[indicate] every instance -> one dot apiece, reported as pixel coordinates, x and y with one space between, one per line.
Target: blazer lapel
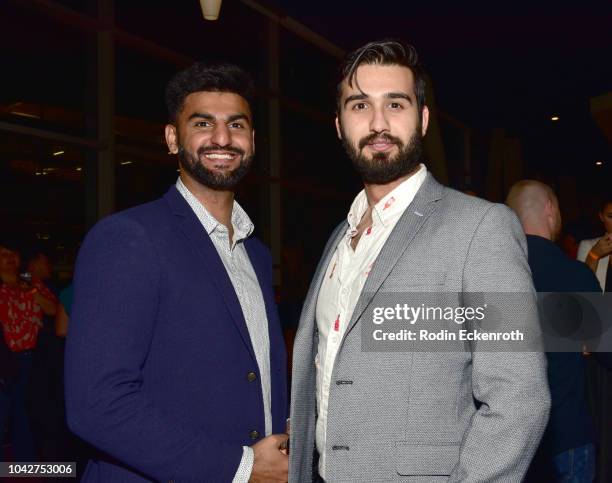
192 228
415 215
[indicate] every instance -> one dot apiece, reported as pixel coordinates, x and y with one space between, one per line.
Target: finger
279 439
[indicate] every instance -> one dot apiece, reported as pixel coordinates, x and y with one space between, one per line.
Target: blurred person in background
7 372
23 303
567 451
63 312
596 251
46 392
39 265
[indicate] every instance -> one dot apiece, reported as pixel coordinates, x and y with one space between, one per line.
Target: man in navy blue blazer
175 361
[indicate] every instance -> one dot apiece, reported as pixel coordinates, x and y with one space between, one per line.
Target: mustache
209 149
386 138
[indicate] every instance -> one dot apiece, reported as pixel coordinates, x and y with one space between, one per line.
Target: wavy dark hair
383 52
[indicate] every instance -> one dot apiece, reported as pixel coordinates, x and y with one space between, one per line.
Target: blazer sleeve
512 387
583 249
117 287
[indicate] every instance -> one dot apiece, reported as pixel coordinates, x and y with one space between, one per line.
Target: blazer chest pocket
426 459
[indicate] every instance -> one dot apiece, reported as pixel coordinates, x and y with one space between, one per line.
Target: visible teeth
219 156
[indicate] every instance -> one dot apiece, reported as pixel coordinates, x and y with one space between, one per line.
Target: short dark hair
34 250
201 77
383 52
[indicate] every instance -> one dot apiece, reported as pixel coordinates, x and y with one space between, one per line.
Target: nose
221 135
379 122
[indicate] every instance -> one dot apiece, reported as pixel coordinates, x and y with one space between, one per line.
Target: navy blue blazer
158 351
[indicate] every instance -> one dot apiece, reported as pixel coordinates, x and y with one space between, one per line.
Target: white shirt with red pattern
345 277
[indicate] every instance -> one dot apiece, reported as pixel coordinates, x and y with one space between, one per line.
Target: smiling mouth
220 156
220 159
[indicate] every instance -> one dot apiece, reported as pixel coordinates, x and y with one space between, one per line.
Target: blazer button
254 434
251 376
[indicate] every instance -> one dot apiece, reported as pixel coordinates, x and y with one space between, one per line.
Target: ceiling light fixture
554 118
210 9
25 114
58 153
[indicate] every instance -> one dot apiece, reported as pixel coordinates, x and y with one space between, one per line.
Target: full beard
383 168
216 180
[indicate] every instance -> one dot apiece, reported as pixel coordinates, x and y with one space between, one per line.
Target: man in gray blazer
363 415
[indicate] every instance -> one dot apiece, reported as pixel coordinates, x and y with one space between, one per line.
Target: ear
548 208
338 131
424 120
253 140
171 139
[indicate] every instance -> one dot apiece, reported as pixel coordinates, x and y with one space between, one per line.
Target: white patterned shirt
344 279
244 279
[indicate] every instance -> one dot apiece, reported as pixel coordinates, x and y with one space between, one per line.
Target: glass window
42 192
47 77
142 176
319 183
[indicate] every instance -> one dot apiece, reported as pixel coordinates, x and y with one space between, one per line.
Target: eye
202 124
236 125
395 105
359 106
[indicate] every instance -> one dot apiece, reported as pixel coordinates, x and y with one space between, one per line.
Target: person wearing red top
22 307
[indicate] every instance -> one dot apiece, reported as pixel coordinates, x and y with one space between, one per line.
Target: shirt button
251 376
254 434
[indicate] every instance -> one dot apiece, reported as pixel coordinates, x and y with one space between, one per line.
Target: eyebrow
209 117
355 97
237 117
398 95
388 95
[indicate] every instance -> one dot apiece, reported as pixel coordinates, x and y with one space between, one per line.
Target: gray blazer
411 416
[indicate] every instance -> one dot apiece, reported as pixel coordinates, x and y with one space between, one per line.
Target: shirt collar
392 205
242 224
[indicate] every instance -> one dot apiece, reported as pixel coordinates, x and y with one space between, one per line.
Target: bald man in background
567 451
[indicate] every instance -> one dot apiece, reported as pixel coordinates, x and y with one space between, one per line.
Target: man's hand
270 465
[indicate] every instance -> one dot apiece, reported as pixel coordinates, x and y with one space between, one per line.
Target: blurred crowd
34 317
